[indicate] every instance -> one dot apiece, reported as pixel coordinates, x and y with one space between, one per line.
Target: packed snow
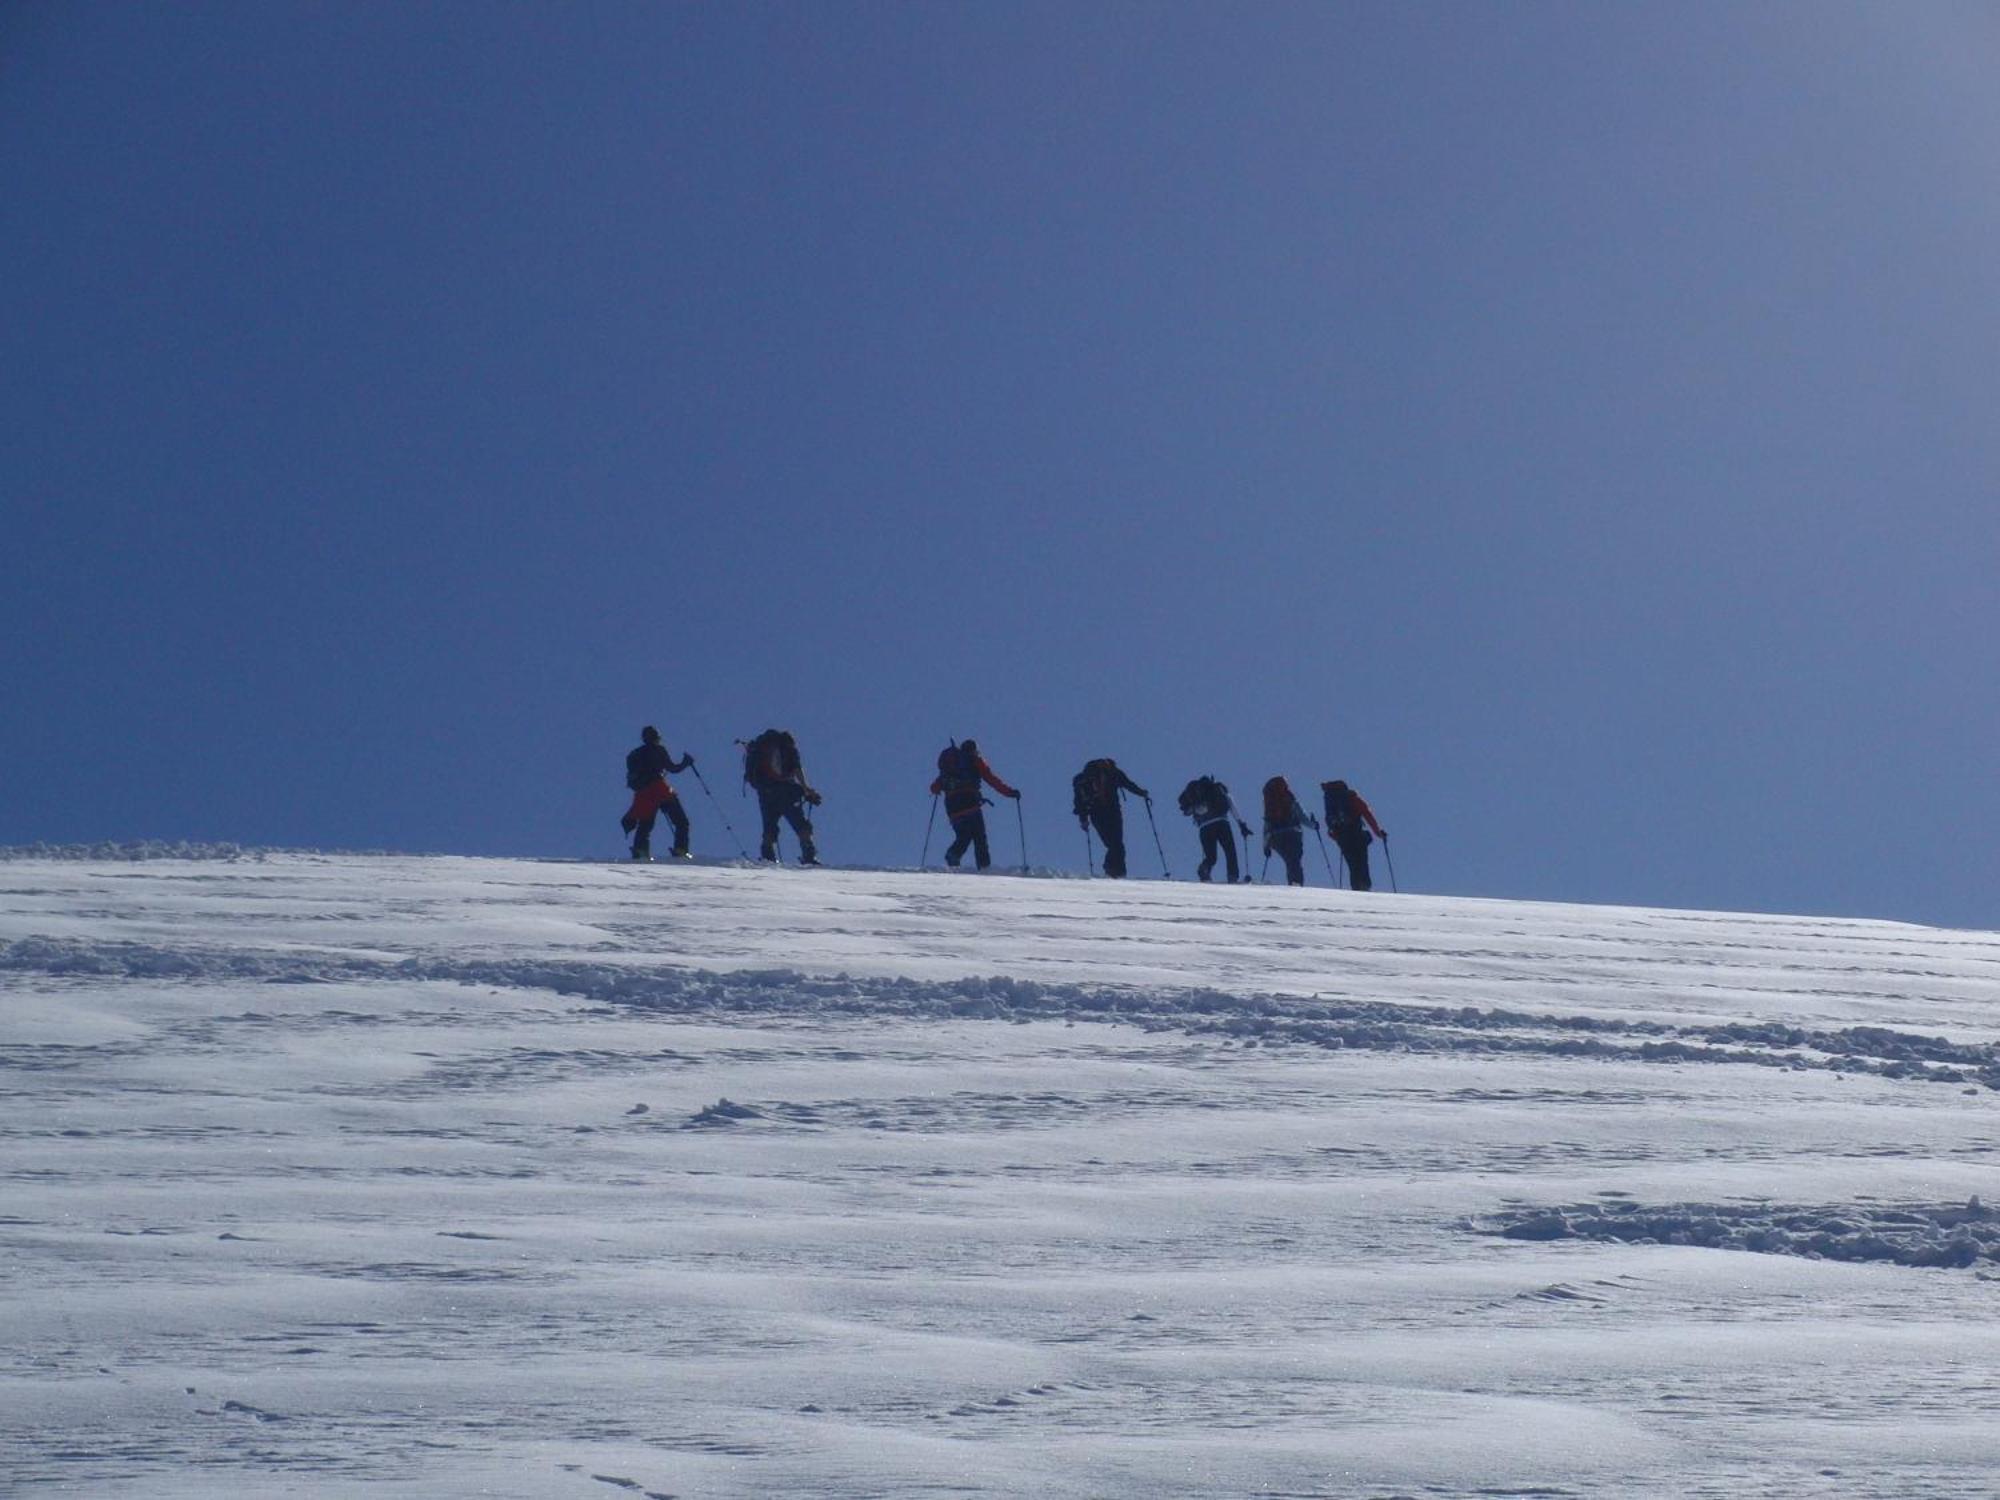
340 1175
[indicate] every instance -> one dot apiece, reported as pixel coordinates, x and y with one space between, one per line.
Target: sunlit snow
354 1175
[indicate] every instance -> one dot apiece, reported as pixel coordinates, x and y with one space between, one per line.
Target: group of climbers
773 770
1349 819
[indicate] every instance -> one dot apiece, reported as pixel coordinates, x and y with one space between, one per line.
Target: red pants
648 802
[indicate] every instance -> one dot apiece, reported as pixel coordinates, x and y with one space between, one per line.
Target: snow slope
332 1175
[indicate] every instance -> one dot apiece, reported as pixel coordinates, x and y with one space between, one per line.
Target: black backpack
1343 820
1203 797
1339 806
956 768
637 772
1095 785
770 758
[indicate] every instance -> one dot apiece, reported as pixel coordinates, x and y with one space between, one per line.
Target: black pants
786 800
1354 849
970 832
1289 844
1216 838
1109 821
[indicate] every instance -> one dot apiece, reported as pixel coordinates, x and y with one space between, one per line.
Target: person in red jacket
1348 819
961 769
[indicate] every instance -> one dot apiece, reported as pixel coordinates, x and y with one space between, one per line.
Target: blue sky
1572 424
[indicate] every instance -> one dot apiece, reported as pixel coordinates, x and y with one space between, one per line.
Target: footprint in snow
721 1113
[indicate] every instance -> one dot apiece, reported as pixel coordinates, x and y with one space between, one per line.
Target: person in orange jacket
1348 819
961 769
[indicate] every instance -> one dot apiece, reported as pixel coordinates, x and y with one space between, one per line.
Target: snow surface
343 1175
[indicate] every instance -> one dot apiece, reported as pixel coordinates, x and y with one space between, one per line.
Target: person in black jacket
774 772
646 770
1097 789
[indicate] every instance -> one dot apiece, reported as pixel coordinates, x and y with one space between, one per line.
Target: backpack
1281 808
1339 805
955 767
1343 819
1095 785
770 758
1204 797
636 772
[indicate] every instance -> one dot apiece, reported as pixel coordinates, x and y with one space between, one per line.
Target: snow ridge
1255 1019
136 852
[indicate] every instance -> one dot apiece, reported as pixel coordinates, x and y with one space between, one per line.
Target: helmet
650 735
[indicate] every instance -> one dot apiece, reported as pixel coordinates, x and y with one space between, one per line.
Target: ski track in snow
329 1175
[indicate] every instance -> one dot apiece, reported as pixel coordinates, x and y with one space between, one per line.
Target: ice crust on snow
1959 1235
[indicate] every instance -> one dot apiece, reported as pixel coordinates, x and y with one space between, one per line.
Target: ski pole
1325 858
1391 860
740 850
925 862
1166 873
1022 822
1089 851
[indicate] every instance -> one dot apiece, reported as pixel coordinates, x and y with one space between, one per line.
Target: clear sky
1574 424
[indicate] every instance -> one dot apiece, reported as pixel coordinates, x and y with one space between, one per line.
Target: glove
1144 795
1015 795
1246 829
1382 834
814 799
